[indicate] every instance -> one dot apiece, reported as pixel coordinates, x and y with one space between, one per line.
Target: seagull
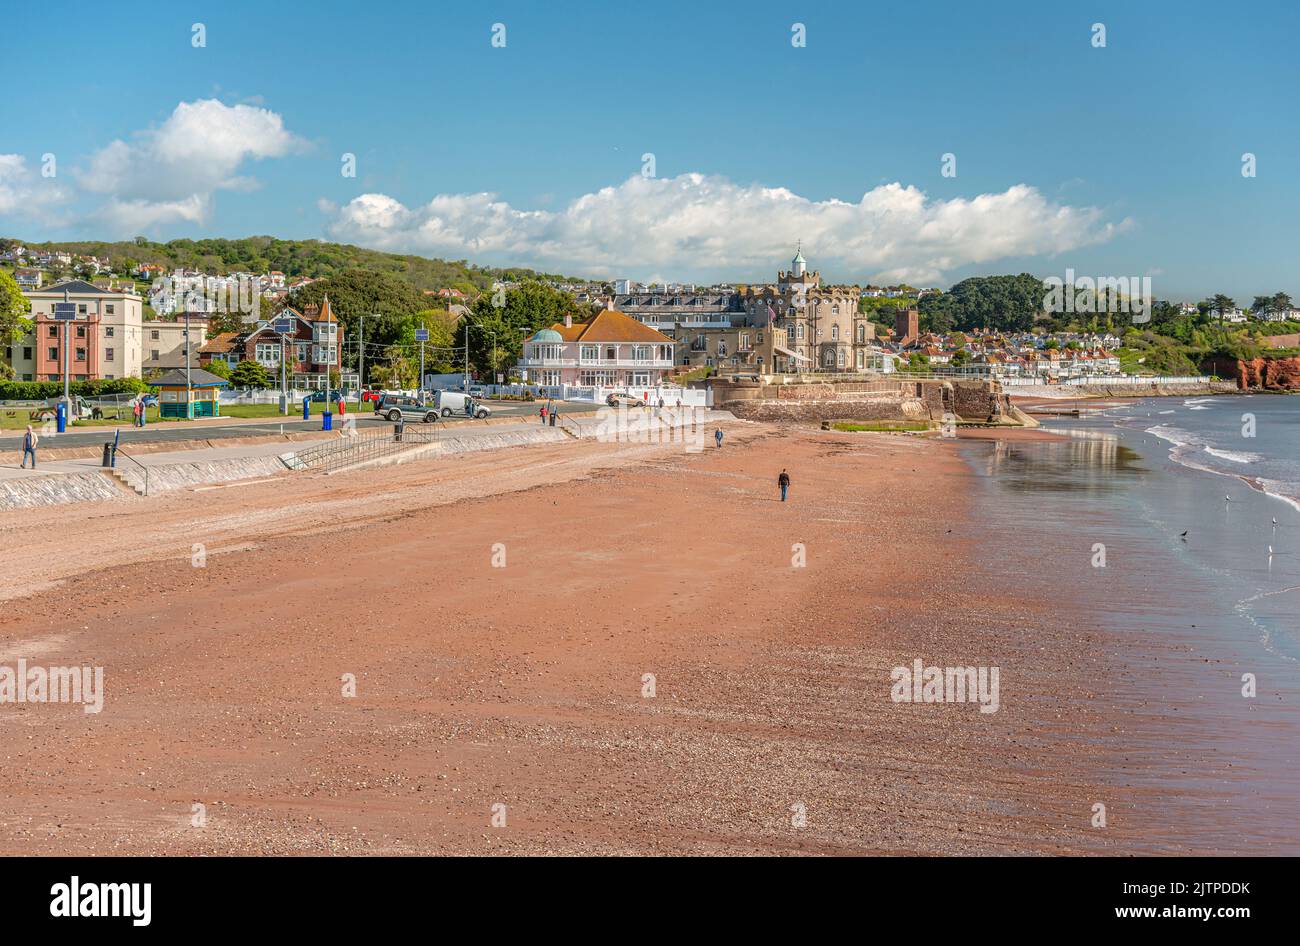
1184 535
1227 499
1270 551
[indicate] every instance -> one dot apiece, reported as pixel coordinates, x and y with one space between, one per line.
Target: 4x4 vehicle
397 407
625 400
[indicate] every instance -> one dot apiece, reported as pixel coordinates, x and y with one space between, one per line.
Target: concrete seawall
57 489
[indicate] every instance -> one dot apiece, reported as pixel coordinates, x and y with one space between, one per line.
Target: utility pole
189 396
68 338
284 389
361 356
465 388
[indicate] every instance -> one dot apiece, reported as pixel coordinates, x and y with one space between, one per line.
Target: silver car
396 407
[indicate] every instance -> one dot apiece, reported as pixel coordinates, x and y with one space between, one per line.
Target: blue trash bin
306 409
61 416
327 421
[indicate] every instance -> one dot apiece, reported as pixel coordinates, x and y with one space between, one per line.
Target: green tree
219 368
14 307
250 374
501 320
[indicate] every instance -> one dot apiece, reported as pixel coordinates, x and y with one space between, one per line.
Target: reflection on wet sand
1088 462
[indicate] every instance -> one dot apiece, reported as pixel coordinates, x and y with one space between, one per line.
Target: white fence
1112 380
671 395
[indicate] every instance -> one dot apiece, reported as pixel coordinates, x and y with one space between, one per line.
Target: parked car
451 403
317 396
369 395
477 391
627 400
397 407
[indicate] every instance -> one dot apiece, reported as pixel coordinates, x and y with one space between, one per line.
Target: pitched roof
218 344
198 379
78 286
610 325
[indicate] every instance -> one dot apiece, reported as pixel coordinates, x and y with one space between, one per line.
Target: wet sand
525 686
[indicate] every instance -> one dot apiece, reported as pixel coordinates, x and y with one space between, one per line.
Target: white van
452 403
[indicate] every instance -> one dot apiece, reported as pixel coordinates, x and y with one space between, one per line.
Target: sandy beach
770 728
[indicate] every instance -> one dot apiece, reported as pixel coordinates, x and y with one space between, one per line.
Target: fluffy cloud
169 174
704 227
24 193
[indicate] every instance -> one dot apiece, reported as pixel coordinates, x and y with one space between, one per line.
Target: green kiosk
198 398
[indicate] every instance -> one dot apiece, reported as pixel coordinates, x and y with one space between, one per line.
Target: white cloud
704 227
23 193
169 174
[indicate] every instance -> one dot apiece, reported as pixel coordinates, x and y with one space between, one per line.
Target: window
641 353
108 331
54 331
862 334
799 331
27 352
835 310
839 358
154 335
153 355
302 351
590 353
81 331
53 353
108 309
268 353
829 359
108 354
835 333
861 355
722 348
744 342
81 309
611 354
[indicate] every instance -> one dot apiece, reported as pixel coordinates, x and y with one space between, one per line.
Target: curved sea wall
909 400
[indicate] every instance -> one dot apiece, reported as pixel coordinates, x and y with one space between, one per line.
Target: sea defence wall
55 490
1123 390
909 400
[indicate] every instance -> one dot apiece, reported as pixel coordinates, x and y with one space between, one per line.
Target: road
163 433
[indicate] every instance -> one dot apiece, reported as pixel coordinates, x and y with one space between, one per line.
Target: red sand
522 686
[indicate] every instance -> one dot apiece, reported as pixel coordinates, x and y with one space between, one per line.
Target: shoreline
523 685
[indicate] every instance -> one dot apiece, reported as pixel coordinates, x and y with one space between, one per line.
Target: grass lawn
880 427
18 419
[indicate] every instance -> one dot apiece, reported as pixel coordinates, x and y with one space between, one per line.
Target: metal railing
119 452
358 448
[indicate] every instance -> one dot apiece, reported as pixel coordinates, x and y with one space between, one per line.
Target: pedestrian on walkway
542 413
30 440
717 436
783 481
136 408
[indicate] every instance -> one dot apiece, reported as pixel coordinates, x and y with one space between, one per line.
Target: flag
771 316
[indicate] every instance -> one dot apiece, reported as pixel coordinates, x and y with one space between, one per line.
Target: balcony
646 363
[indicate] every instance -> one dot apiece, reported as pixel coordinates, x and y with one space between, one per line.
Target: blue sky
1117 161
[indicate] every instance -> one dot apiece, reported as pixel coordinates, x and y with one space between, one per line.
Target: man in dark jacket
783 481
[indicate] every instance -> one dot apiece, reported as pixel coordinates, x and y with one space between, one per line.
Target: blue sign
65 311
283 326
421 334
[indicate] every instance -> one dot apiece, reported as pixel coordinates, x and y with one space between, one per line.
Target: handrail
118 451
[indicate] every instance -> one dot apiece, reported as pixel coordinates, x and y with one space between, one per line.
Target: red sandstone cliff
1273 374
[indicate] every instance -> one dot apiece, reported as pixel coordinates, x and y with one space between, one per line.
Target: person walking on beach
542 414
783 481
717 436
29 446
